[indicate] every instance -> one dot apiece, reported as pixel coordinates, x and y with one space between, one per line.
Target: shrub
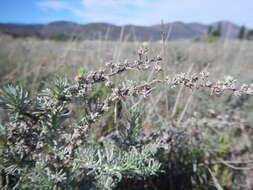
44 145
207 38
59 37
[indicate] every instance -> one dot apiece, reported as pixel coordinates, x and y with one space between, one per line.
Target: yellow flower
79 77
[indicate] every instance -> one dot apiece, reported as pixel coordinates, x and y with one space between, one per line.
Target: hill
105 31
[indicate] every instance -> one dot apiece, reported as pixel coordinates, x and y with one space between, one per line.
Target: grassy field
220 125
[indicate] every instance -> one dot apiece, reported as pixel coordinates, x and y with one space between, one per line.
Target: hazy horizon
99 22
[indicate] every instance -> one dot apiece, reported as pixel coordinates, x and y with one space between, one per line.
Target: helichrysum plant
45 145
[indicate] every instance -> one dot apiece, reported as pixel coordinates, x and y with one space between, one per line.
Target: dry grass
230 119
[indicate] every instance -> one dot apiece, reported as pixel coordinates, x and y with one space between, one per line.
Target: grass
223 122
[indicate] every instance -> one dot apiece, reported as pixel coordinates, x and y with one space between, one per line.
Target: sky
121 12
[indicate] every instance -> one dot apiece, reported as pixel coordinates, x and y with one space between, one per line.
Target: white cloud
52 4
144 12
148 12
59 5
113 11
113 3
141 12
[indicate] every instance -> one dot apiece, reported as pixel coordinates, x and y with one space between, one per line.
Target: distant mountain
104 31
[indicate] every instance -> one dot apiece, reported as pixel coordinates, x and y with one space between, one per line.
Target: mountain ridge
105 31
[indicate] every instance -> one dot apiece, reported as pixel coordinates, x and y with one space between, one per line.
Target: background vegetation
206 139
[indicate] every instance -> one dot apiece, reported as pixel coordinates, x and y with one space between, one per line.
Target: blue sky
142 12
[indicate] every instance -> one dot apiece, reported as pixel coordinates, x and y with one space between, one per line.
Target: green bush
207 38
59 37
